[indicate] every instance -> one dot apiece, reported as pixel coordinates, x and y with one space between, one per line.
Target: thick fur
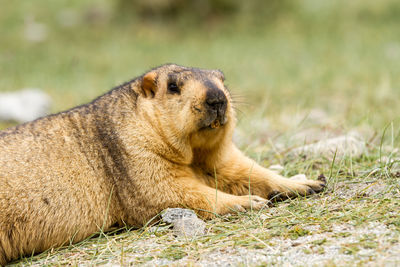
125 157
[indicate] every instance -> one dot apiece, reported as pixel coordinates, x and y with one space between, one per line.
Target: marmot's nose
216 100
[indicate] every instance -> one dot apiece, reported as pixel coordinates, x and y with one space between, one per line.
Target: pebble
276 168
25 105
171 215
184 221
345 145
189 227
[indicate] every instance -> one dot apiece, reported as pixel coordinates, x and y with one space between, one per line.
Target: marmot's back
52 183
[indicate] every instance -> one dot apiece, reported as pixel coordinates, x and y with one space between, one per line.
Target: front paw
297 185
317 185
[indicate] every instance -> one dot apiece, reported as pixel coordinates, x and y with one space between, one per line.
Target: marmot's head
188 102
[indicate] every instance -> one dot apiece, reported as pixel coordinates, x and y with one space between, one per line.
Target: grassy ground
339 60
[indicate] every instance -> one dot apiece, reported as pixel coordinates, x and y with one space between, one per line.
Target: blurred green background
280 57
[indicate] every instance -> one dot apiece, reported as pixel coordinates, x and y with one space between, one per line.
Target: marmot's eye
173 88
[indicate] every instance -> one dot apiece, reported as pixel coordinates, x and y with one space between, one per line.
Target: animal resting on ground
162 140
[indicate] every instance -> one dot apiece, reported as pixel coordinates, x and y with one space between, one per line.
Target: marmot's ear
219 74
149 85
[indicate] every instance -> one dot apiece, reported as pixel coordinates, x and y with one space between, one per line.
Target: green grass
347 65
342 58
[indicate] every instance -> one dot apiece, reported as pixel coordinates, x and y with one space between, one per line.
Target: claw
322 178
310 191
275 196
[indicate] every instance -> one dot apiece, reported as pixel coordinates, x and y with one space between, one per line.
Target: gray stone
184 221
345 145
189 227
24 105
35 31
171 215
276 168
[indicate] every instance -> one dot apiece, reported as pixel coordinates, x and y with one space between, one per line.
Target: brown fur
124 158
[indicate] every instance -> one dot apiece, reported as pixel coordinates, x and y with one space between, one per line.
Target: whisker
238 97
238 110
241 104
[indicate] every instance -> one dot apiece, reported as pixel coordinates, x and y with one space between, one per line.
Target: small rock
350 145
34 31
25 105
171 215
299 177
185 222
276 168
189 227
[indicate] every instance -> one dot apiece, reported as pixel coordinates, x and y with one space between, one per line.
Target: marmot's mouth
215 124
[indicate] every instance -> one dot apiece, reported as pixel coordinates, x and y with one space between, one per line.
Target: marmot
161 140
